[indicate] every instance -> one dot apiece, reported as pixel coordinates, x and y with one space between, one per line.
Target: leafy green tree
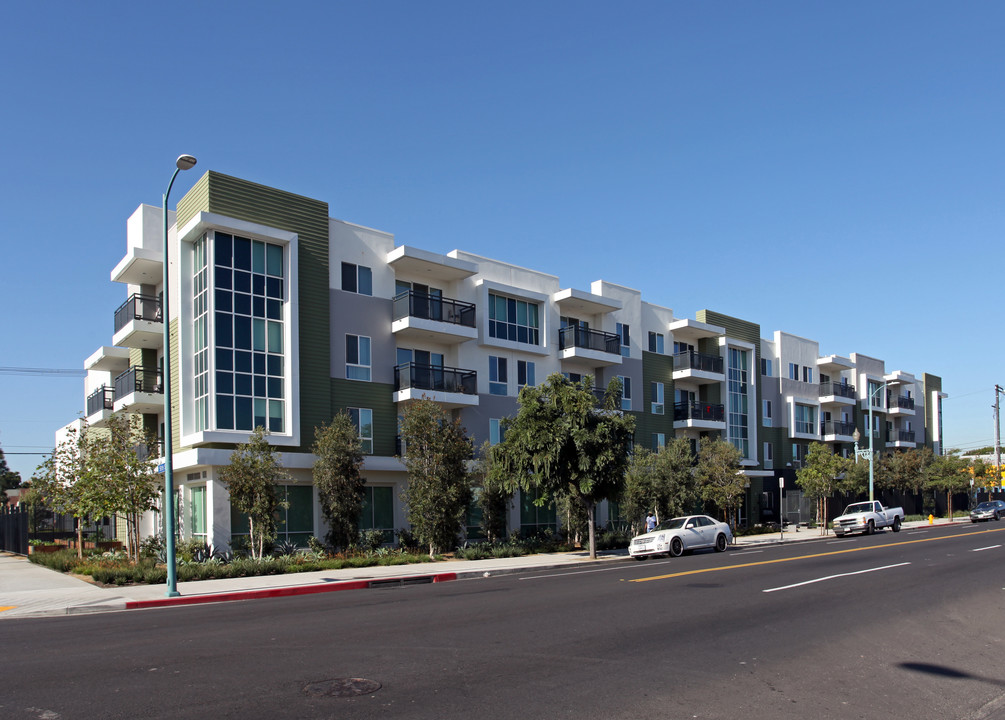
719 477
490 494
125 484
561 443
819 477
856 477
439 487
949 474
9 479
663 482
251 477
338 477
65 480
904 471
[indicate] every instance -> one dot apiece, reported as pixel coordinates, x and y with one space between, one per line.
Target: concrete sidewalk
30 590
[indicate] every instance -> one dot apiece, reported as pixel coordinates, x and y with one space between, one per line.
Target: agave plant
284 548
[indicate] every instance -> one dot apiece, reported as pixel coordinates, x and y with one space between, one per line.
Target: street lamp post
872 458
184 162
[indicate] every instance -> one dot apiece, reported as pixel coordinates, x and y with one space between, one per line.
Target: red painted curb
280 592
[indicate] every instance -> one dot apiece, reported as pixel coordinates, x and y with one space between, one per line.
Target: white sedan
673 537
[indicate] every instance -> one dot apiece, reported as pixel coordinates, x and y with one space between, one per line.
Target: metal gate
14 532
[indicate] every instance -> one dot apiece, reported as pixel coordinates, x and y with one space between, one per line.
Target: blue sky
833 170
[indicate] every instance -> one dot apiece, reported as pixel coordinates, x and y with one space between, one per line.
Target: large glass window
248 293
622 331
806 419
656 398
378 511
534 519
357 279
656 342
296 522
525 373
516 320
626 392
738 389
496 431
498 379
197 511
357 357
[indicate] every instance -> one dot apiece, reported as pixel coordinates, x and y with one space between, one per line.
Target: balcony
100 406
139 323
704 416
837 431
832 393
900 405
424 317
150 451
139 390
697 367
451 387
900 439
597 347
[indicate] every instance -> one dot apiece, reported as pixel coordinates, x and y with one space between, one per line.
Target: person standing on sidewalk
650 522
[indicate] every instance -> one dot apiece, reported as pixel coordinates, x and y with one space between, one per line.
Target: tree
9 479
490 494
856 477
818 477
950 474
125 484
251 477
439 489
662 482
904 471
337 475
64 481
562 443
718 473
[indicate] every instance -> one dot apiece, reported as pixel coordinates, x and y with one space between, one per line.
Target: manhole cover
342 687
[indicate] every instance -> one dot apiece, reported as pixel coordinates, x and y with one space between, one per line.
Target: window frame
368 367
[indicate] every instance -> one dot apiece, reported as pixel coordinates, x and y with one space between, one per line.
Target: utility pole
998 444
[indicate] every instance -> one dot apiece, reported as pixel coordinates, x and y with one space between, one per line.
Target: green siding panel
655 368
379 397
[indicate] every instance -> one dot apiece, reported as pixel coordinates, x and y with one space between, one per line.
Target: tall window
659 441
626 392
249 290
498 378
769 456
357 279
496 432
766 366
357 357
516 320
378 511
197 511
656 398
806 419
525 373
200 332
793 371
738 390
875 396
807 374
656 341
622 331
362 418
766 413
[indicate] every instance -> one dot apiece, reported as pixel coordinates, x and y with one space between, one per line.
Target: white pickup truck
866 517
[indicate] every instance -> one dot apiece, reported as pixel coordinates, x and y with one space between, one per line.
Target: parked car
674 537
989 510
867 517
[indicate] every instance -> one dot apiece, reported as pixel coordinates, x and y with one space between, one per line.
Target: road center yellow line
808 557
7 607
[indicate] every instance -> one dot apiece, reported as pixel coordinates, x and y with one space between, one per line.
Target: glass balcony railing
699 411
692 360
578 337
900 401
836 427
435 378
138 307
837 389
433 307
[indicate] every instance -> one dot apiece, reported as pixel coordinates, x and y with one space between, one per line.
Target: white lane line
839 542
748 552
917 532
584 572
989 547
832 577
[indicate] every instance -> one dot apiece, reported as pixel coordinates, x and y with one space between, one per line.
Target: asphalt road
906 625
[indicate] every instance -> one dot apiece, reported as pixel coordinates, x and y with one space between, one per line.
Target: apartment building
282 316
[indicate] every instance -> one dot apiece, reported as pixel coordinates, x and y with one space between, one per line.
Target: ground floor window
197 511
473 529
534 519
294 524
378 511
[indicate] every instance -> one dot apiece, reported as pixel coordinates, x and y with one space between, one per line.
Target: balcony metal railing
435 378
900 401
838 389
138 307
138 379
101 399
699 411
900 436
570 337
431 307
836 427
693 360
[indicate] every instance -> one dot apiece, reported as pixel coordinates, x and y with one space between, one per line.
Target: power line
43 372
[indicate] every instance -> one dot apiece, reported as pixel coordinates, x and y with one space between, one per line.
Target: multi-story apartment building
281 316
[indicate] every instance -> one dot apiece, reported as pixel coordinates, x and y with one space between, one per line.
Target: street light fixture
184 162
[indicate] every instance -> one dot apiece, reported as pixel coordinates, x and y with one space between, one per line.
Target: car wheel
896 524
973 520
996 517
676 547
870 528
720 543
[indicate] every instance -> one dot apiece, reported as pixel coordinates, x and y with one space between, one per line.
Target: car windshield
985 506
672 524
857 508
